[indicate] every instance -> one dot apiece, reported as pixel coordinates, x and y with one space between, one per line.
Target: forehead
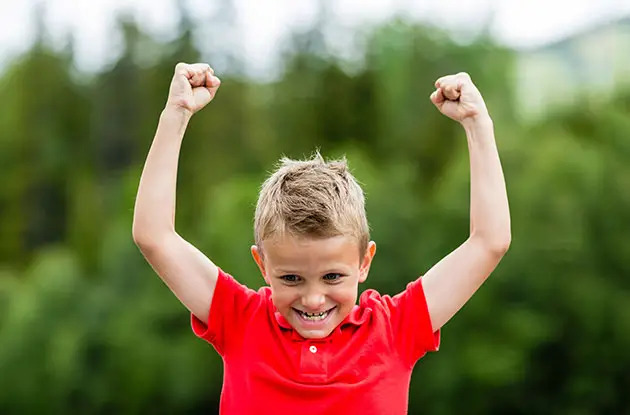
295 253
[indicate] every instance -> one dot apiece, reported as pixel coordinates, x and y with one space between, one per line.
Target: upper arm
190 275
450 283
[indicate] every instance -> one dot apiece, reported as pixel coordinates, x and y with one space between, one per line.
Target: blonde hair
311 198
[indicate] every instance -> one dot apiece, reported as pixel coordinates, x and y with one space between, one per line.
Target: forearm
154 213
489 209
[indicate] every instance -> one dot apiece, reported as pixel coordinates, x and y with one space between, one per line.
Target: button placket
313 361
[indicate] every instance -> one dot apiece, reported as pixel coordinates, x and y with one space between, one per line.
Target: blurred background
87 327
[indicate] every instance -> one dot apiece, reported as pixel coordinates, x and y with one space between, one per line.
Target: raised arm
451 282
185 270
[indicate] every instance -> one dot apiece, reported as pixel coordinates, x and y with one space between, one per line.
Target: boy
302 345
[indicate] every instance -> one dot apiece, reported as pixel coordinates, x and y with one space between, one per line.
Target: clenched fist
458 98
193 86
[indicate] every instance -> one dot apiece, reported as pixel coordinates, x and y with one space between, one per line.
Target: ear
258 258
367 261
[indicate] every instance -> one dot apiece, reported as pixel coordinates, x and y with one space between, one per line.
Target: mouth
314 317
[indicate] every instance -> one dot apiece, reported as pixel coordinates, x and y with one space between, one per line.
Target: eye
290 278
332 277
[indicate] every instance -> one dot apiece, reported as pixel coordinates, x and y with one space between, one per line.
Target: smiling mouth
314 316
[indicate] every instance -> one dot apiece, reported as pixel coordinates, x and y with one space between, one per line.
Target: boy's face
314 282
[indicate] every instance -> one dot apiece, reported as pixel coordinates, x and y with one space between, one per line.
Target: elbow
139 239
142 238
148 240
147 232
497 245
147 245
503 246
137 234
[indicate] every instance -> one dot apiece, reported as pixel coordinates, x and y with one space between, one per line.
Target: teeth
314 316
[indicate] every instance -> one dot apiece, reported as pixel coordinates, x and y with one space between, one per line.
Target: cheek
282 296
346 296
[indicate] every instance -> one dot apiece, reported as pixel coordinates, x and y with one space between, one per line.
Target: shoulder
371 298
230 293
372 301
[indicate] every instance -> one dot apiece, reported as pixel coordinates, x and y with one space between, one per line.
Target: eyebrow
326 272
284 270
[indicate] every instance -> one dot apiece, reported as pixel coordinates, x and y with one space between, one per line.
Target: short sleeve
231 308
411 323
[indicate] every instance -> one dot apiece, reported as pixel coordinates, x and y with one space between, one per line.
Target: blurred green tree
86 326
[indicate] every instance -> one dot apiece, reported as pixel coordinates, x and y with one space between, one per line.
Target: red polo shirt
363 367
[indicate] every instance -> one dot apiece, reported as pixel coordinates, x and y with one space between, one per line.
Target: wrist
176 115
177 112
481 121
175 119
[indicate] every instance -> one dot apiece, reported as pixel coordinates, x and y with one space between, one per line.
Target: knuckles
180 67
453 80
196 68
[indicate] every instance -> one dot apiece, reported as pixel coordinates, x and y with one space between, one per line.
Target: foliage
86 326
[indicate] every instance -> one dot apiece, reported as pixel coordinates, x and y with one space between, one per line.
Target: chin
313 329
314 334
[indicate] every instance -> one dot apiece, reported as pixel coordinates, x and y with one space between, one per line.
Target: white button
313 349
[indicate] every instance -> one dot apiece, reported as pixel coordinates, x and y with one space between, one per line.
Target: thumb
437 98
202 95
212 84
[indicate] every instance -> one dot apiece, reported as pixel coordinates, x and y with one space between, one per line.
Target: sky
263 23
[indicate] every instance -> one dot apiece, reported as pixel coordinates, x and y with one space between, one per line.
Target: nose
313 300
